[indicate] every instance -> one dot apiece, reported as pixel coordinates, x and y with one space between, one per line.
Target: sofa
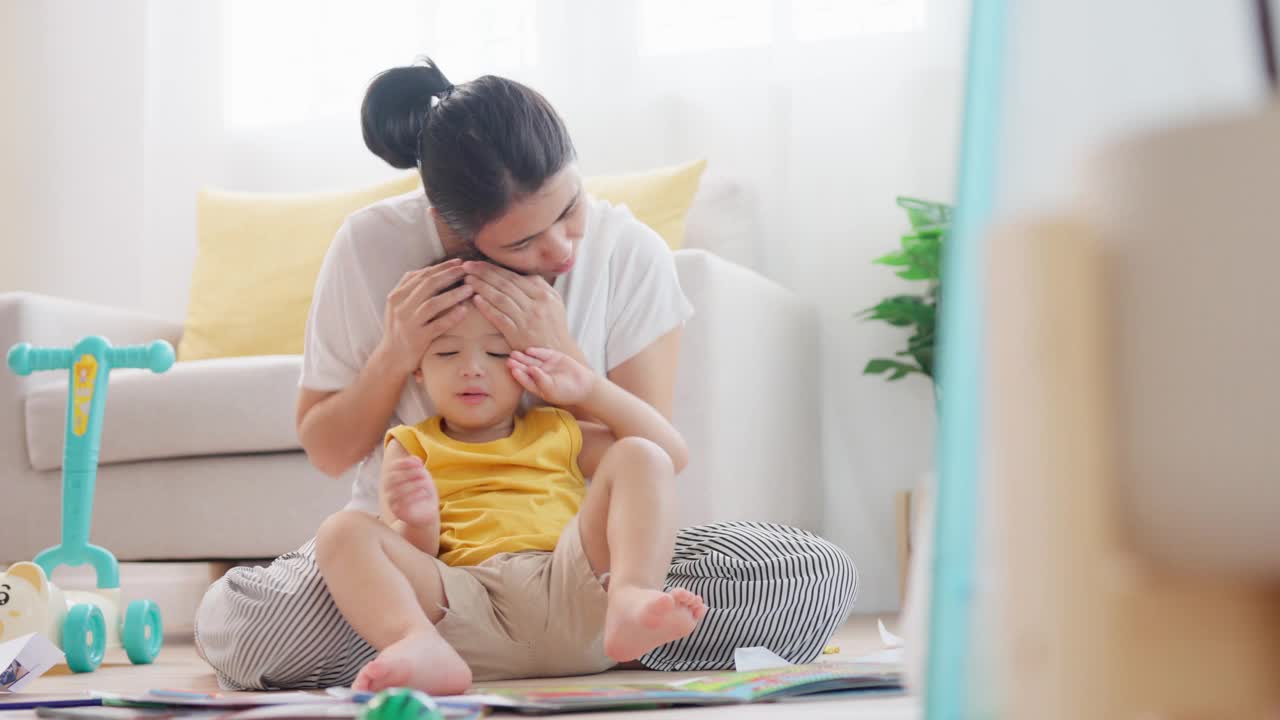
203 461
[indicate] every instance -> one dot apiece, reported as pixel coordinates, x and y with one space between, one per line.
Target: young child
500 552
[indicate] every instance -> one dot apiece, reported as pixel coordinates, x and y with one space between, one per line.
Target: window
816 20
285 61
479 37
670 27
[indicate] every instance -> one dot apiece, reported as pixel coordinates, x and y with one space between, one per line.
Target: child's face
465 374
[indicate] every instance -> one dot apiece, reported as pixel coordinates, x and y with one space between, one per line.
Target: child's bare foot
689 600
423 661
640 619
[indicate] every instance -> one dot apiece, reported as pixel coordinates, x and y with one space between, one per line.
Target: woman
559 270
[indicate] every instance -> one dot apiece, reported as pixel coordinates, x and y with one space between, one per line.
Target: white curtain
818 111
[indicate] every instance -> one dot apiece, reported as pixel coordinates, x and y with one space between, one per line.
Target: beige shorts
527 614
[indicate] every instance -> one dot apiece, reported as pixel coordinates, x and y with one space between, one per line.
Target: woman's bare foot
423 661
640 619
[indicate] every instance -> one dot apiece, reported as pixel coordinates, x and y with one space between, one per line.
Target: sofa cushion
659 198
208 407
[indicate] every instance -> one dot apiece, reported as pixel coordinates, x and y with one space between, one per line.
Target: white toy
29 603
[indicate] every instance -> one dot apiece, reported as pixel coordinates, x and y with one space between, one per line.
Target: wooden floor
178 667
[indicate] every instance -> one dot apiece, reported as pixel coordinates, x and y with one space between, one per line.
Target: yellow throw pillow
658 198
257 258
258 254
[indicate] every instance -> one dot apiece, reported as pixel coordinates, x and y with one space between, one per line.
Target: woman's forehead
534 213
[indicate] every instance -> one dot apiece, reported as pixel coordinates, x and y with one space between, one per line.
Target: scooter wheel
84 637
143 632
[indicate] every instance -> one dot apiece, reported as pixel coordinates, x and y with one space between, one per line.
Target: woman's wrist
569 347
384 361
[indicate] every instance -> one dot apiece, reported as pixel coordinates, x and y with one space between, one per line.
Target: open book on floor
245 706
715 689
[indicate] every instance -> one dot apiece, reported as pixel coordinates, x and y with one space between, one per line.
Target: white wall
182 112
823 122
72 146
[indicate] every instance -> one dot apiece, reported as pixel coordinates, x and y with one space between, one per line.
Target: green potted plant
919 259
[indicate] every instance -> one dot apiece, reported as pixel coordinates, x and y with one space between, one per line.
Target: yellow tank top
509 495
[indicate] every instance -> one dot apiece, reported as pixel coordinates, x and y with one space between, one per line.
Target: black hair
478 146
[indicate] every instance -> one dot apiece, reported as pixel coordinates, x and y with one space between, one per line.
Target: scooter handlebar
156 356
25 359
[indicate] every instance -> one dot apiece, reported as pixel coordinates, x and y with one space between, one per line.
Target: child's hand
409 491
551 375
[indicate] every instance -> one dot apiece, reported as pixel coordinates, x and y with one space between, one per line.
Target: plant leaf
920 258
917 273
878 366
901 311
924 358
923 213
924 254
893 258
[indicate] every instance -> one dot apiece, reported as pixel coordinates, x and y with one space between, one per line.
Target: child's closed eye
499 355
446 354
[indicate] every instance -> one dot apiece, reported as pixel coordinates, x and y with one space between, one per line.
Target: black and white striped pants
276 627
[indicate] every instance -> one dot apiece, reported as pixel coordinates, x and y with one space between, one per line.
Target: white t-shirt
621 295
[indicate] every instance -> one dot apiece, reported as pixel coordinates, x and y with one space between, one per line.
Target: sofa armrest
56 322
46 320
747 398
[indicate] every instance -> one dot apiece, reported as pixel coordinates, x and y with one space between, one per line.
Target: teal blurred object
949 680
90 363
84 628
401 704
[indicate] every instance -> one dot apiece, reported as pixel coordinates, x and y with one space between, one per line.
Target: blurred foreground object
1134 465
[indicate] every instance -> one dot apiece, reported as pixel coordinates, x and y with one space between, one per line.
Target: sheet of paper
892 654
889 639
756 658
24 659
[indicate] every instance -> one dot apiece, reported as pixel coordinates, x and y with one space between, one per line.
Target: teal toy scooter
83 623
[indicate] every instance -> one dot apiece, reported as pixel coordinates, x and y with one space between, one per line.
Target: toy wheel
143 632
84 637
